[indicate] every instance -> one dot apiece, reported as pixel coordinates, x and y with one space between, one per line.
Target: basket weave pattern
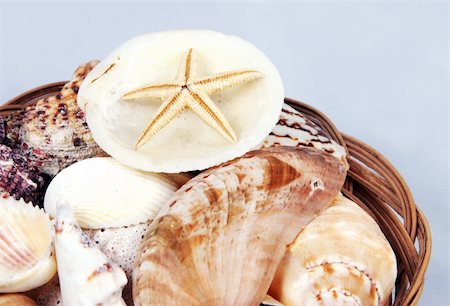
372 182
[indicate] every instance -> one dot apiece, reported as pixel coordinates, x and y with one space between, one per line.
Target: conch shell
104 193
340 258
87 277
15 299
18 178
26 249
53 133
220 238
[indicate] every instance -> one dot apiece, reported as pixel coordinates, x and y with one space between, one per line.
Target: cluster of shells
269 227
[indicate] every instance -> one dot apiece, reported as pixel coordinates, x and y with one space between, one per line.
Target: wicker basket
372 182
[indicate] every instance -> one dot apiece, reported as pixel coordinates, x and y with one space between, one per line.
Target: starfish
190 92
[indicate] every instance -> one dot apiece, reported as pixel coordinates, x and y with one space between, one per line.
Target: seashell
16 300
17 177
104 193
270 301
2 130
53 133
161 102
26 257
220 238
86 275
294 129
48 294
340 258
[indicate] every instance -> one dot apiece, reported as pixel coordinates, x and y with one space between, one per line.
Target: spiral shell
220 238
53 133
26 252
104 193
340 258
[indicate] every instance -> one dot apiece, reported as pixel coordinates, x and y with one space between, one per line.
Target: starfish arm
160 91
206 109
225 80
165 113
187 67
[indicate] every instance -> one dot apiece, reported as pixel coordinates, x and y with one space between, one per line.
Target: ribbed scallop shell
53 133
87 277
340 258
26 253
18 178
15 299
220 238
104 193
294 129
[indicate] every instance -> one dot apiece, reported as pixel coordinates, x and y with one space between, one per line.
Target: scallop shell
104 193
187 143
87 277
18 178
16 299
340 258
221 237
53 133
294 129
26 257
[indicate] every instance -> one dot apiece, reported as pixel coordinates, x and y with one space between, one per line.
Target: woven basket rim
372 182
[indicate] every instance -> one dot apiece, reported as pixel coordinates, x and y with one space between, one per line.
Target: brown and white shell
340 258
53 133
221 237
295 129
18 178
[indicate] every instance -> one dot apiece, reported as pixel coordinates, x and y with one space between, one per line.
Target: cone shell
104 193
18 178
86 275
340 258
16 299
53 133
26 250
294 129
222 235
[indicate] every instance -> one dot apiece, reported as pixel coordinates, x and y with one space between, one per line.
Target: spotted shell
18 178
220 238
53 133
294 129
340 258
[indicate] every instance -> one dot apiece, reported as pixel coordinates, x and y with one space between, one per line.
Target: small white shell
26 257
340 258
186 143
87 277
104 193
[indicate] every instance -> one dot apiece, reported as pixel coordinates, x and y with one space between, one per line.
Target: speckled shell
53 133
340 258
220 238
15 299
18 178
294 129
86 275
26 250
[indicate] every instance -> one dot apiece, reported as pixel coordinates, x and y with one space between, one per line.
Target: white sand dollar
245 106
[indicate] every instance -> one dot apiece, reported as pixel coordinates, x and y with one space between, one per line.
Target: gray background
378 70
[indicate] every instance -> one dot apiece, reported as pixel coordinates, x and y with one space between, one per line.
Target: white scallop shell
87 277
186 143
104 193
26 249
340 258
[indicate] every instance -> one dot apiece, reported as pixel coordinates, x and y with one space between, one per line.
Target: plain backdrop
378 70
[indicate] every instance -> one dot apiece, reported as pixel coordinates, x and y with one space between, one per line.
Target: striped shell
340 258
15 299
86 275
221 237
294 129
26 249
53 133
18 178
104 193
